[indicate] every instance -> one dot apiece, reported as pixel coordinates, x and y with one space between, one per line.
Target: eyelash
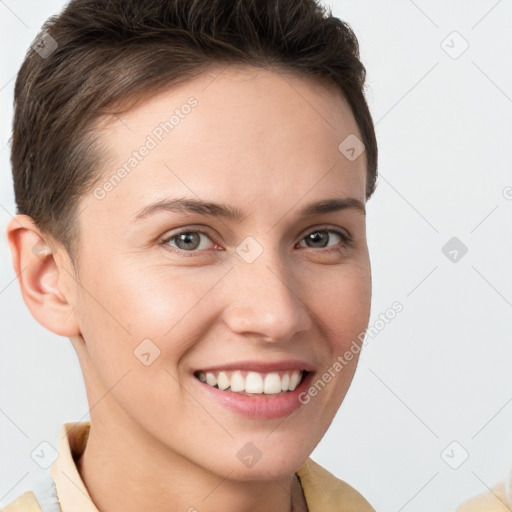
347 240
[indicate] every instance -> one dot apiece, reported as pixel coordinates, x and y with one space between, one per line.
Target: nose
264 299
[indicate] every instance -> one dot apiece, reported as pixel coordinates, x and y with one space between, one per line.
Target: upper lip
261 366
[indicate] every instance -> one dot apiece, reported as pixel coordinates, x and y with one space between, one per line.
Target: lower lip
262 406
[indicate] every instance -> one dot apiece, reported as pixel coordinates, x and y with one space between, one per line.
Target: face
169 297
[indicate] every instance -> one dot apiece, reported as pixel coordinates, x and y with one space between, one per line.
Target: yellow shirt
322 490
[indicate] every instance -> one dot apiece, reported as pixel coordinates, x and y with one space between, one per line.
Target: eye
187 240
319 237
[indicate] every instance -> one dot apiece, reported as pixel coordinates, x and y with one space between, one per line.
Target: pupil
185 237
314 237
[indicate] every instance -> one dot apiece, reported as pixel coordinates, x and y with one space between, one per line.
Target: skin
265 142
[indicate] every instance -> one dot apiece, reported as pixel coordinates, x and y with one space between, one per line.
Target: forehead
228 135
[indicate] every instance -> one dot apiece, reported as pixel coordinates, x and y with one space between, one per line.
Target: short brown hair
100 54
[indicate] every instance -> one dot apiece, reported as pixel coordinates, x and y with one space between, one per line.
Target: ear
46 278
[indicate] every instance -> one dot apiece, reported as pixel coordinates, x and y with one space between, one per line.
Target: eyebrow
186 205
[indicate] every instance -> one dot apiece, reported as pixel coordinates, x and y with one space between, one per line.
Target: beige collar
71 490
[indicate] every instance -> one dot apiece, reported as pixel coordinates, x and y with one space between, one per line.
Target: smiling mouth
252 383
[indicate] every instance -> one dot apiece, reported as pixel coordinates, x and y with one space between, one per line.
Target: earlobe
41 277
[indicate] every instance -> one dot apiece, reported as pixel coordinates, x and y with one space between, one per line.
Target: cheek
343 305
138 326
342 308
129 307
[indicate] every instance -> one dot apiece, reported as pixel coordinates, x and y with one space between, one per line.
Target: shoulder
325 492
493 501
26 502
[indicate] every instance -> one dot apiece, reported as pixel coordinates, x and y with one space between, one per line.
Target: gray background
440 371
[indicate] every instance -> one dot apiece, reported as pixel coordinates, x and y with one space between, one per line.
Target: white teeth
237 382
285 382
211 379
272 384
254 382
294 380
222 381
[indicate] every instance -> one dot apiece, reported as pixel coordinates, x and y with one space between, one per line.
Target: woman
191 215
